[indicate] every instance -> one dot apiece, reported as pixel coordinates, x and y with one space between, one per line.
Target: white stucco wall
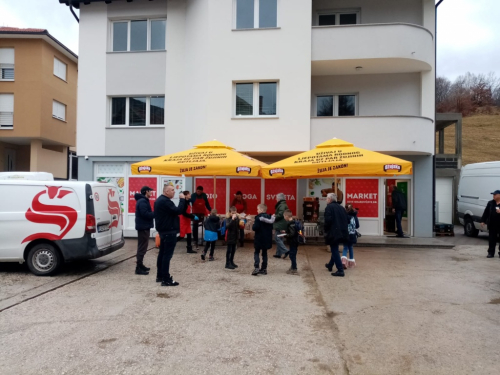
377 94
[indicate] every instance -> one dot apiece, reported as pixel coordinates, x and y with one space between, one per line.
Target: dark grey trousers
142 244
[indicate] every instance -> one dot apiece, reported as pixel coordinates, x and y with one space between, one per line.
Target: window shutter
7 56
6 110
59 110
59 69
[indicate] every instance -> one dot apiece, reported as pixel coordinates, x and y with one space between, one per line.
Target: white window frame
336 104
256 99
54 115
5 110
255 15
337 13
127 112
56 71
7 65
148 34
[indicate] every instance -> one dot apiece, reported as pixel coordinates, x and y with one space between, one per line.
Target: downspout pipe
76 17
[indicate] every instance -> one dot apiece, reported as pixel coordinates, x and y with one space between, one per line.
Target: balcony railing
448 161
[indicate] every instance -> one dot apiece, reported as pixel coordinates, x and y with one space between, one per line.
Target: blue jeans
348 246
167 246
293 257
280 245
335 259
399 217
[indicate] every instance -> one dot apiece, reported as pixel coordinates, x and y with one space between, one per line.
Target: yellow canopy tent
339 158
212 158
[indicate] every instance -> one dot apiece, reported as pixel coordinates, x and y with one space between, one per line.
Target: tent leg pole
215 189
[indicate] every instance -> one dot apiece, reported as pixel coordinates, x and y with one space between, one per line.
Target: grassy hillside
480 138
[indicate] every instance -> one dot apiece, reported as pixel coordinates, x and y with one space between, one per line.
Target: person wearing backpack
212 225
263 239
352 215
199 200
291 235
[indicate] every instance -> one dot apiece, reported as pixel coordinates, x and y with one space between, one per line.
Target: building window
338 17
139 35
255 14
6 111
335 105
6 64
58 110
138 111
256 99
59 69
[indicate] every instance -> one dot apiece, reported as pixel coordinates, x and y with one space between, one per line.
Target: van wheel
469 228
44 259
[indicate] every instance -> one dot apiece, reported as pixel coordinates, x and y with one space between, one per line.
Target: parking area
400 311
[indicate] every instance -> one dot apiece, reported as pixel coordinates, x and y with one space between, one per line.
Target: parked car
45 223
477 182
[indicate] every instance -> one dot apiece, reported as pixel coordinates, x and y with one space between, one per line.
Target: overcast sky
468 34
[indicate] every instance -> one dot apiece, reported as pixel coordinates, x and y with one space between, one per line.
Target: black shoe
203 255
140 271
329 268
255 272
191 251
234 265
229 266
263 272
490 256
158 279
170 282
211 258
144 267
276 256
286 255
338 273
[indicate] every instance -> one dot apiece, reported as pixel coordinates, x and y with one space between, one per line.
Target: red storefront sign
364 195
208 189
287 187
134 186
251 189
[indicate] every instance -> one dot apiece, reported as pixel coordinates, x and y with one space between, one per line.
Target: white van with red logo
45 223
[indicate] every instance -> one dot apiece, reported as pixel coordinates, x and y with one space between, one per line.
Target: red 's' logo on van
114 209
63 216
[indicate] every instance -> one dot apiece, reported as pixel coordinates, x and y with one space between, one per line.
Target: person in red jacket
185 222
241 208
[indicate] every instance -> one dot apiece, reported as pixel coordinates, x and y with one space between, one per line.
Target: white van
45 223
477 182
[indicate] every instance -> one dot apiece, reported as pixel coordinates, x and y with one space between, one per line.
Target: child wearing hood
263 239
352 214
212 225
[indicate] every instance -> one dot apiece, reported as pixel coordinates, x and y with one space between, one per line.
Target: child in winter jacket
352 214
212 225
291 236
232 231
263 239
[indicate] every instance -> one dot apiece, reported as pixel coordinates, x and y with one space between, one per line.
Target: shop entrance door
390 227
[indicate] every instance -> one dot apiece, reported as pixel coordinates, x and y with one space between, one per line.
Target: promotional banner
134 186
320 187
287 187
177 182
208 189
251 189
363 195
120 184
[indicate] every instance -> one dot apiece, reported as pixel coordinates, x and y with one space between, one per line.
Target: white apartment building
271 78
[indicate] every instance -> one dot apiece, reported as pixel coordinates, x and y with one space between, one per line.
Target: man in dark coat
263 239
143 223
399 206
491 217
168 226
280 224
336 232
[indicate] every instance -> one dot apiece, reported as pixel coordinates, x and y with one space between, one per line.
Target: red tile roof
19 30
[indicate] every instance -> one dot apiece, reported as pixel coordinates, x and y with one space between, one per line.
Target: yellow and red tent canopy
336 157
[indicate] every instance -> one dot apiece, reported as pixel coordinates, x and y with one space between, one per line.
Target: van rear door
114 209
102 216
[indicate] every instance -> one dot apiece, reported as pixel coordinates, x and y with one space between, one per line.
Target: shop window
139 35
60 69
255 14
6 111
138 111
337 17
58 110
335 105
6 64
256 99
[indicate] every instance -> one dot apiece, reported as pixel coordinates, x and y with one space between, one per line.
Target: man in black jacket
167 225
336 232
399 206
143 223
491 217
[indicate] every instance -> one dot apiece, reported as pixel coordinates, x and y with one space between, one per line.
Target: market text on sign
273 197
362 196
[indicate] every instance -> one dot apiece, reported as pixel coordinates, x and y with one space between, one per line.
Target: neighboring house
38 80
268 77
